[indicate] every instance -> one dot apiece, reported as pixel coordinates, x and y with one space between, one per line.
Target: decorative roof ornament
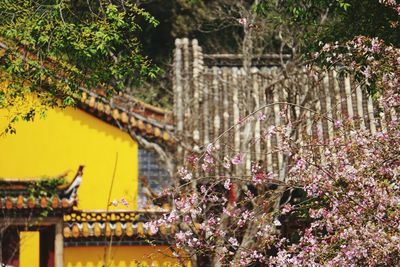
73 188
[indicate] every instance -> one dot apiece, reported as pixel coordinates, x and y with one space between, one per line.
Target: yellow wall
29 255
65 139
119 256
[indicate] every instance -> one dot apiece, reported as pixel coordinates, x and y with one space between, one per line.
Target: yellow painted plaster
65 139
119 256
29 249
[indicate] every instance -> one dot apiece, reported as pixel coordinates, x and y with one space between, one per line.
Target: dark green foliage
316 21
52 47
45 187
307 22
212 22
368 18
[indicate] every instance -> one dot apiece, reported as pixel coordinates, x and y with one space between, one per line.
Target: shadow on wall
85 119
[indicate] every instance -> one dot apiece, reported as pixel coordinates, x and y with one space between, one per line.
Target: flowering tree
336 204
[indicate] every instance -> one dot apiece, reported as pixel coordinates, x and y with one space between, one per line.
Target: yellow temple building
70 193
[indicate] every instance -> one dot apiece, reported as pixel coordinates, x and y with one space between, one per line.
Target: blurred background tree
297 27
215 23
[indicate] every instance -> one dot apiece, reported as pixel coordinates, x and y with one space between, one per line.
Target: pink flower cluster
123 201
348 214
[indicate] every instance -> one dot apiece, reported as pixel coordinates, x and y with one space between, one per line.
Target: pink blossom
375 45
367 72
233 241
238 158
192 160
151 227
172 216
185 174
227 184
242 21
286 209
181 237
124 202
227 212
262 116
114 202
208 159
277 222
203 189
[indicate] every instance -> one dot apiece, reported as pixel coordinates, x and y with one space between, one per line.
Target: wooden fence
211 98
